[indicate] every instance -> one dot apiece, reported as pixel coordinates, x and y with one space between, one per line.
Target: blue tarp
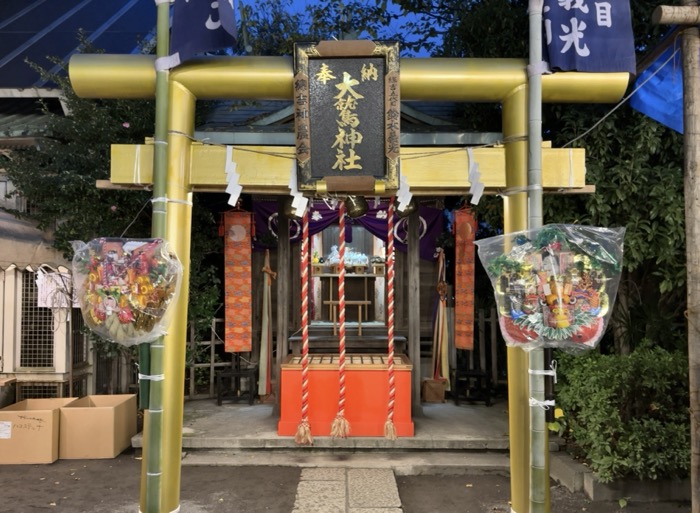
661 95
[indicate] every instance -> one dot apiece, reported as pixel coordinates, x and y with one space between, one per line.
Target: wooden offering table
333 305
330 289
366 394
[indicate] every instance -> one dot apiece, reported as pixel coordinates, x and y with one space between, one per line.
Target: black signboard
347 116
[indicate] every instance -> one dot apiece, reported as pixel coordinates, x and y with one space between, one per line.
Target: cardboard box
29 431
97 426
433 390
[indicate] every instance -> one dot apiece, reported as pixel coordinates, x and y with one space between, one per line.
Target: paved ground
112 486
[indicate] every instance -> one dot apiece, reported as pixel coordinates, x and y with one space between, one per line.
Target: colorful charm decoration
555 286
125 287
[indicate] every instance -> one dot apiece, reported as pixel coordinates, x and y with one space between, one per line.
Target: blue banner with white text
588 35
202 26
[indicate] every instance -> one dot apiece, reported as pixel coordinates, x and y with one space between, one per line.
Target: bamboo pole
539 477
152 354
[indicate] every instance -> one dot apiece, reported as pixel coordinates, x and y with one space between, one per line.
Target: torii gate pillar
449 79
178 234
515 215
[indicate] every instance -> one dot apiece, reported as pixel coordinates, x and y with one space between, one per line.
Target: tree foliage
628 416
636 166
273 26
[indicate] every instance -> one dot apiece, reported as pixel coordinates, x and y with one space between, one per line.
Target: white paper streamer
233 187
403 195
300 202
476 188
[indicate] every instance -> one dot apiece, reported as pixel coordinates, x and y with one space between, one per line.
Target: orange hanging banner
238 281
465 231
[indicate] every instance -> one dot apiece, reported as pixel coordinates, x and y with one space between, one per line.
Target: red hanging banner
465 230
238 281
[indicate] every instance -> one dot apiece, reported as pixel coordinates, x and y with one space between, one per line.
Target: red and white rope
303 435
340 427
389 428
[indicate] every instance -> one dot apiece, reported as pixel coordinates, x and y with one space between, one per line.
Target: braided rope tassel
341 427
389 428
303 435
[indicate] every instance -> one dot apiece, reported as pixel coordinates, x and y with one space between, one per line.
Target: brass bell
356 206
410 208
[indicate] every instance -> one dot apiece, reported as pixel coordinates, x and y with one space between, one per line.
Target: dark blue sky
395 27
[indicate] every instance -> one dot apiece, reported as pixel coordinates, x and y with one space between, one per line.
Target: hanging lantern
356 206
408 210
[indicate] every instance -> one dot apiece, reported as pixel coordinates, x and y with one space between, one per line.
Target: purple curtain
375 221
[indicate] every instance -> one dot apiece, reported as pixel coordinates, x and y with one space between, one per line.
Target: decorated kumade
554 286
125 287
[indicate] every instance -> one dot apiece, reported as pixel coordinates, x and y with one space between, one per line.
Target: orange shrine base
366 394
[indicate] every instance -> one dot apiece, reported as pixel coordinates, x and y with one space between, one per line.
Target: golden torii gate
192 166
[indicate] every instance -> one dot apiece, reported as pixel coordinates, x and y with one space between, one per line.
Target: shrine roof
29 247
269 122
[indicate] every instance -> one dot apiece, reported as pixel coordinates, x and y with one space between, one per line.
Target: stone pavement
113 486
353 475
339 490
450 440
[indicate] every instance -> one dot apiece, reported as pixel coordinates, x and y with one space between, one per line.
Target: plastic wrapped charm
555 285
125 287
